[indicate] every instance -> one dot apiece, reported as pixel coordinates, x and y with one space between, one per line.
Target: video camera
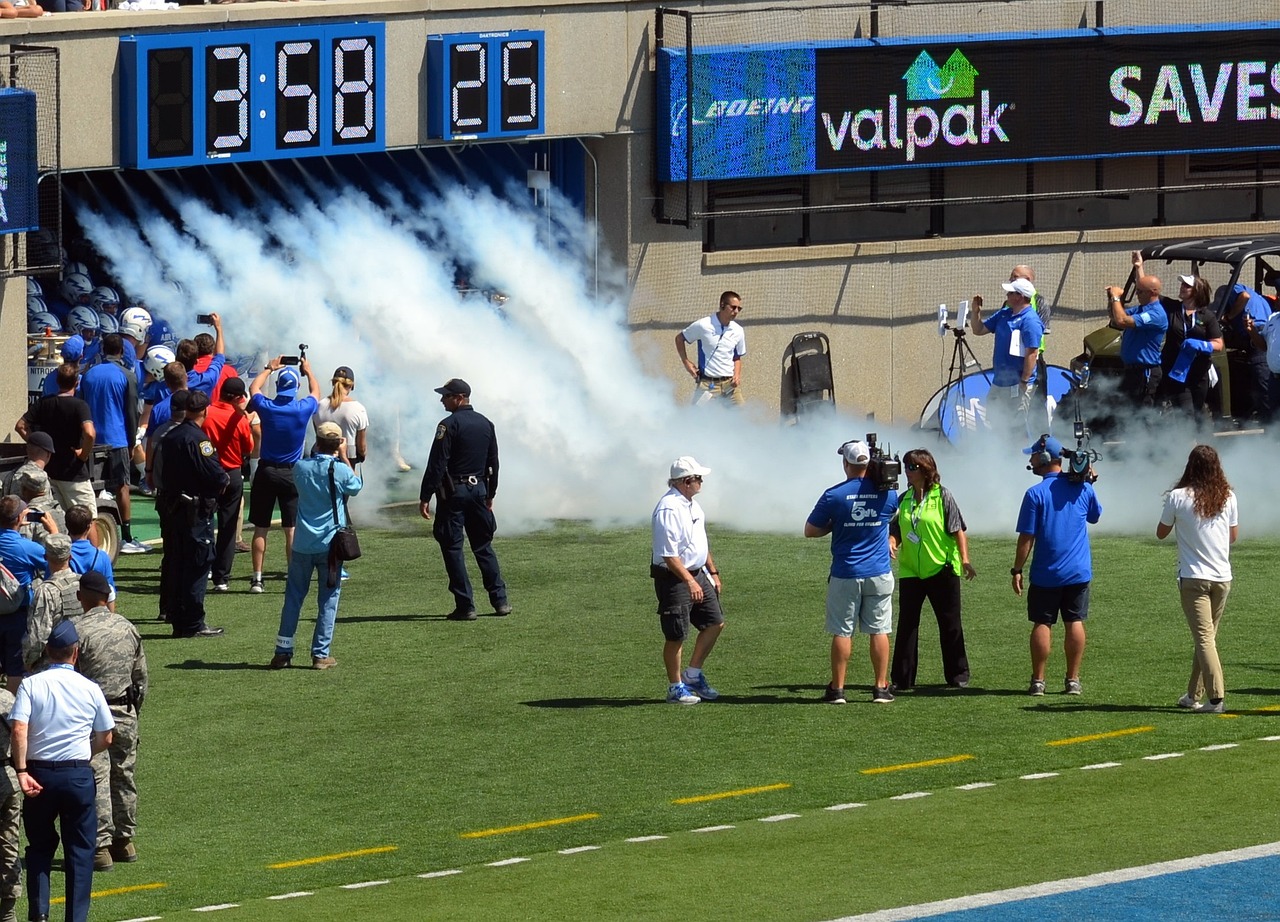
883 468
1078 464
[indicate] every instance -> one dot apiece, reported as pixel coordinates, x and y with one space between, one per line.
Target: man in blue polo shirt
25 560
1019 333
284 421
111 390
1141 340
86 557
1054 521
856 514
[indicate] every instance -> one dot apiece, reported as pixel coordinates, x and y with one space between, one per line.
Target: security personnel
111 654
59 721
193 478
463 472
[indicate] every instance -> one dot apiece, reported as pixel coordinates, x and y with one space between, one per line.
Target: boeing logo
4 180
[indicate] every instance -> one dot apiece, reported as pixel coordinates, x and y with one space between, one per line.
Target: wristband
21 771
714 572
1015 571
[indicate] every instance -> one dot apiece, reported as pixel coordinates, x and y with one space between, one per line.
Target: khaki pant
113 773
74 493
706 390
1203 602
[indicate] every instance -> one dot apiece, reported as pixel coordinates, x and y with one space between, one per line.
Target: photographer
856 513
1019 333
1054 521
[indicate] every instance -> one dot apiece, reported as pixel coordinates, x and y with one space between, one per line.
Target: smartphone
206 319
35 515
290 360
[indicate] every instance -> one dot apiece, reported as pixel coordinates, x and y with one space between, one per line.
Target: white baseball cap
856 452
1022 287
686 466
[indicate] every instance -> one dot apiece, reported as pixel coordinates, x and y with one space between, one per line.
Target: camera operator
856 513
1054 520
1019 332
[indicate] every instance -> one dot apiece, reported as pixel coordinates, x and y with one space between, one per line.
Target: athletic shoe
881 695
679 693
221 587
459 614
255 585
1210 708
502 610
1191 704
700 687
833 695
1072 687
1036 689
323 662
345 575
134 547
242 548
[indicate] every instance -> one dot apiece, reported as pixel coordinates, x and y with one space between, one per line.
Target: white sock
257 575
694 674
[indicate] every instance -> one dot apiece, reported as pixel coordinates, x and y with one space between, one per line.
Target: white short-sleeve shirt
1204 545
351 417
679 530
718 345
62 707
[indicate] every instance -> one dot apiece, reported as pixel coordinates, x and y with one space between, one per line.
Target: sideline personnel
721 345
60 720
1054 520
1141 339
462 471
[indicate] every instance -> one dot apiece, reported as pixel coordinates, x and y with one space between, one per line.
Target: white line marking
449 873
645 838
976 785
713 828
1268 739
1218 746
1070 885
912 796
1039 775
579 849
144 919
288 896
779 817
507 861
216 907
1089 768
1162 755
363 884
835 807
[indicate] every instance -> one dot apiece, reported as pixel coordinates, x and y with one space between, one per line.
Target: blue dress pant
195 549
67 801
467 512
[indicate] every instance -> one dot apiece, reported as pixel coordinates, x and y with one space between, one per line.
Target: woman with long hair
350 415
928 540
1201 507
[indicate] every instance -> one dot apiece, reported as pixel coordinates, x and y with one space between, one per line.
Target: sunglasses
912 466
696 478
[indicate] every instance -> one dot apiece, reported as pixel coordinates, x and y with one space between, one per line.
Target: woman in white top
1202 509
349 414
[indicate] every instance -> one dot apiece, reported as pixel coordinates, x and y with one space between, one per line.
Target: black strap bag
344 545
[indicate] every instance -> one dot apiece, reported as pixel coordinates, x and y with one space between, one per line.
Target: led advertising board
775 110
19 166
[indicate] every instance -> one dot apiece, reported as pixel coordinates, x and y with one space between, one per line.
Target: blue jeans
301 568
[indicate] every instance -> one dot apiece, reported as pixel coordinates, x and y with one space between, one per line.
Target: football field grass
439 746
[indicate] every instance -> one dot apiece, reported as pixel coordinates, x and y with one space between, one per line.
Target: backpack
12 593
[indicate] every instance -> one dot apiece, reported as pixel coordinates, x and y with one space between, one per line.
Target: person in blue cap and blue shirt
1054 522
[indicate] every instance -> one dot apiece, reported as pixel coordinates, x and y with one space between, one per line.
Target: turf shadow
205 665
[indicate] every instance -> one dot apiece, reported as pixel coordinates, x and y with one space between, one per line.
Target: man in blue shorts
284 429
1054 520
856 514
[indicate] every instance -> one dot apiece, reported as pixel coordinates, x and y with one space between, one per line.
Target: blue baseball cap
73 349
287 380
1045 443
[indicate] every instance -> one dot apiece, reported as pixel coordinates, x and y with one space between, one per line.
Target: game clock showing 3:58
252 94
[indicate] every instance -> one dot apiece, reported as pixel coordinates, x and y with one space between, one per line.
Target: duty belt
469 479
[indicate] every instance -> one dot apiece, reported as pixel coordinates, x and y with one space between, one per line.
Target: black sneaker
881 695
833 696
459 614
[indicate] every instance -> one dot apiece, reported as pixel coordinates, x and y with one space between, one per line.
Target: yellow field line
1099 736
742 792
540 824
928 763
1269 707
381 849
114 892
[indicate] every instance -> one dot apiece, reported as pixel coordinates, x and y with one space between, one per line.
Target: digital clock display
485 84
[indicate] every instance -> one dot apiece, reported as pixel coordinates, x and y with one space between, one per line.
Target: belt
469 479
120 702
716 380
275 463
61 763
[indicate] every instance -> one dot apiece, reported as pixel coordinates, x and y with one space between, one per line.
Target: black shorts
272 484
1044 603
676 608
115 469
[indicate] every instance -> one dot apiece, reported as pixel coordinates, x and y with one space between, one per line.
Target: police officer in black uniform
193 480
463 472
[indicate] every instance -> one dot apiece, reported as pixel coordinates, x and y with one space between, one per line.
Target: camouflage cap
31 480
58 547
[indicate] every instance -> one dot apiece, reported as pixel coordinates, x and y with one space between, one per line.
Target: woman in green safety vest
928 540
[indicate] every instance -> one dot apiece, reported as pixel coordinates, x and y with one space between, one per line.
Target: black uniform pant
195 550
1140 384
67 801
943 592
170 555
224 548
467 511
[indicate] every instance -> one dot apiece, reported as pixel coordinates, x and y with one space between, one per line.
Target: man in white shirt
686 582
721 345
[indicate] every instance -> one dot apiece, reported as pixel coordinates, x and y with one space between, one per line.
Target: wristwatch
1015 571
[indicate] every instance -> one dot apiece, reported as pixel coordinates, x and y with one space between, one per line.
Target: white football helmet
34 287
105 298
136 322
43 322
35 305
82 319
77 288
74 267
157 357
107 323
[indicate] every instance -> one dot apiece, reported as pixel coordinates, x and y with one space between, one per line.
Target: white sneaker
221 587
1191 704
134 547
1210 708
679 693
255 585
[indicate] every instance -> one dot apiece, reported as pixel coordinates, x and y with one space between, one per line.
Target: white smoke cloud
586 431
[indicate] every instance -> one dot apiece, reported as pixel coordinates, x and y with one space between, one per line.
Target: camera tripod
961 358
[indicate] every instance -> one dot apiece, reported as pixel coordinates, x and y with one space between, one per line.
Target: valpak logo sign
933 104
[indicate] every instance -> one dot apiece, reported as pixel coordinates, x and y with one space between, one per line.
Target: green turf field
431 737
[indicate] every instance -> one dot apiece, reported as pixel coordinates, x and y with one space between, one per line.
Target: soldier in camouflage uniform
111 655
32 486
54 599
10 815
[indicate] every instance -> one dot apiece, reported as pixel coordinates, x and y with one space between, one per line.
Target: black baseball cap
454 387
41 440
344 371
